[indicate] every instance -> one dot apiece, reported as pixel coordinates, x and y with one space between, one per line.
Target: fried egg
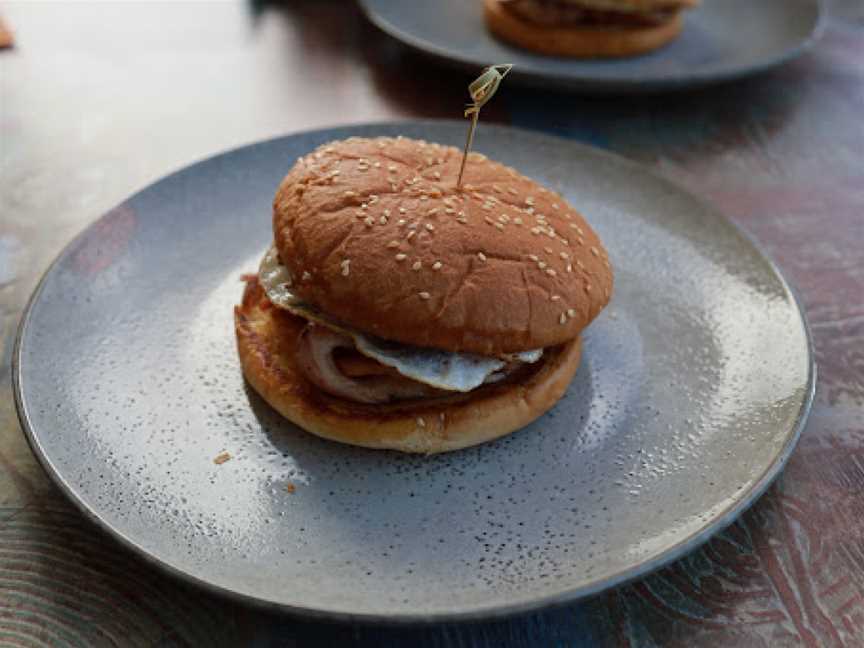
459 372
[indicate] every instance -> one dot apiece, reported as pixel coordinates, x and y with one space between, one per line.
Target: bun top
635 6
375 233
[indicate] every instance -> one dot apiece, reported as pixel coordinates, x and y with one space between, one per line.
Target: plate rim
600 84
560 598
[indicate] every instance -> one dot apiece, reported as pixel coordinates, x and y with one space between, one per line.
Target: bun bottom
266 341
578 42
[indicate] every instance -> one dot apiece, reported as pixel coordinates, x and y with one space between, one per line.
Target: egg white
459 372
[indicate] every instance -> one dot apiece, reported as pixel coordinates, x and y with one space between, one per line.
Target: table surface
97 100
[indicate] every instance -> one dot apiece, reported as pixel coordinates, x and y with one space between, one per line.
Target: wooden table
98 100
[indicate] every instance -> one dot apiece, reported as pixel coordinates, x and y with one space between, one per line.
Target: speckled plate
721 40
694 386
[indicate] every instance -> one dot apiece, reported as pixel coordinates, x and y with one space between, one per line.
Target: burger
395 310
587 28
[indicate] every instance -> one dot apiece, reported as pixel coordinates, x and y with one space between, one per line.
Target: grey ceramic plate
694 386
722 40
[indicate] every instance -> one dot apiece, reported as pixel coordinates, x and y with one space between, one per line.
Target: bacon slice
315 356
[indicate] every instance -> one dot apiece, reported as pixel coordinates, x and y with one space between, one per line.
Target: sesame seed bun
589 41
636 6
267 338
375 233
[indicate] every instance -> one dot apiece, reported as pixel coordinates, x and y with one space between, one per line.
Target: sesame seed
551 272
481 256
401 256
496 188
417 265
462 220
350 194
449 210
387 212
489 221
424 295
564 255
402 210
569 268
393 244
437 175
432 211
393 186
424 197
437 265
391 168
421 422
595 251
336 172
306 276
565 242
345 270
533 257
359 214
548 250
329 149
410 235
373 199
535 231
430 227
383 220
499 227
517 220
555 206
528 210
555 297
487 206
580 264
571 312
461 213
573 225
504 218
512 191
369 221
377 165
541 264
529 200
364 206
563 318
400 222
